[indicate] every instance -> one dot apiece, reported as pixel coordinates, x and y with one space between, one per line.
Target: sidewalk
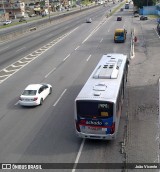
142 95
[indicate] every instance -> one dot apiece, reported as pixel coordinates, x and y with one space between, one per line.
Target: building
12 9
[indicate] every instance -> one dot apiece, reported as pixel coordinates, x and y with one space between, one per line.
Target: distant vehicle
100 2
158 28
98 106
32 15
121 9
88 20
158 20
143 18
120 35
7 22
136 15
126 5
68 9
119 18
34 94
22 20
135 12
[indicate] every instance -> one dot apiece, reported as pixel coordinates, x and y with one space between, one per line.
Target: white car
34 94
88 20
7 22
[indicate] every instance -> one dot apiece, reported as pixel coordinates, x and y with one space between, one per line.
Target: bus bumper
94 136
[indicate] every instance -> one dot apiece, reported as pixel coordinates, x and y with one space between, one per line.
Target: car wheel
41 101
50 90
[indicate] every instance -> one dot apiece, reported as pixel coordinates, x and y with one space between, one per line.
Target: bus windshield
119 34
94 109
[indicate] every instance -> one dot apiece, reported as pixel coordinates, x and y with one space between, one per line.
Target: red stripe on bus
95 126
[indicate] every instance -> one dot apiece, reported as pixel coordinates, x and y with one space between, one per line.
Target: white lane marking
33 56
101 40
88 57
4 48
48 36
77 47
20 49
16 103
66 57
60 97
50 72
94 30
156 32
78 155
88 37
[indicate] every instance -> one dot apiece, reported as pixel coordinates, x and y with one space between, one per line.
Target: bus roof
104 82
120 30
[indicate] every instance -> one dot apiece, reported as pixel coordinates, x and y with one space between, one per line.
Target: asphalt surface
46 134
142 134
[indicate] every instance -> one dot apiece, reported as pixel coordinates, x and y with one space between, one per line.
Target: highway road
64 56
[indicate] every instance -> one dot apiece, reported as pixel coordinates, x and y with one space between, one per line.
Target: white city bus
98 106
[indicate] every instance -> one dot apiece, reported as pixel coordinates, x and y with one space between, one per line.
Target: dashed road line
77 48
66 57
50 72
101 40
78 155
88 57
16 103
16 66
20 49
94 30
60 97
4 48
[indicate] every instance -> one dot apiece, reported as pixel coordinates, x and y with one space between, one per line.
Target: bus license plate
94 128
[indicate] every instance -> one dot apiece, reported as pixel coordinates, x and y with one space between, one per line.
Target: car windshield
29 92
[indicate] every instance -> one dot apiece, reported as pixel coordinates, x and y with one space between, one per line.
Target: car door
41 92
45 91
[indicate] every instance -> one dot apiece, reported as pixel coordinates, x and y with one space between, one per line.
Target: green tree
141 3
